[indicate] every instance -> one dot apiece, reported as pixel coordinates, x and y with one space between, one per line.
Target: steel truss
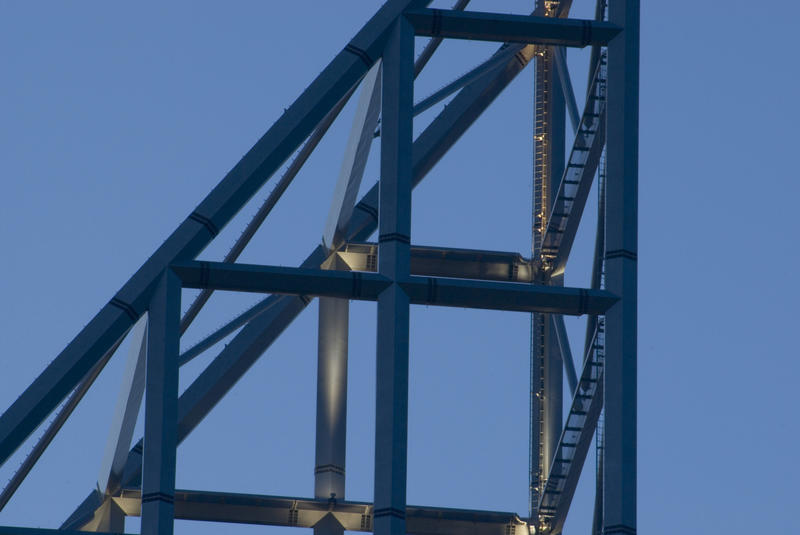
394 273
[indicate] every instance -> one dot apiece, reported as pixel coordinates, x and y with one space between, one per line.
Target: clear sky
116 120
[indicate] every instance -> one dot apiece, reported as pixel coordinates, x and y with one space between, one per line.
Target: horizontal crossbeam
481 26
306 513
445 262
437 291
281 280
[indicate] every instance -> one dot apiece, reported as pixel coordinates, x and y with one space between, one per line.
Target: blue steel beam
438 291
161 408
197 230
566 353
622 213
487 67
394 263
482 26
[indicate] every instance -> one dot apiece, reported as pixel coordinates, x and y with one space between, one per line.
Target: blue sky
116 120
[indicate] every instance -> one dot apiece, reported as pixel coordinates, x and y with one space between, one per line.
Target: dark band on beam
353 49
205 274
587 33
206 222
357 282
621 253
394 236
521 59
389 511
329 468
436 27
432 290
158 497
364 207
619 528
128 309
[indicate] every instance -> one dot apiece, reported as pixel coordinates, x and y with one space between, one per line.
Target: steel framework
140 480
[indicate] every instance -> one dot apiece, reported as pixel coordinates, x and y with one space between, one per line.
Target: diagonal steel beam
355 159
576 181
197 230
566 353
126 412
482 26
485 68
573 445
560 56
55 426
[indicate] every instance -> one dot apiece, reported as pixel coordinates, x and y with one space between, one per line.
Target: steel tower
140 480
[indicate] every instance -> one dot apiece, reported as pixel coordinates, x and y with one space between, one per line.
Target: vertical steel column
394 215
161 407
554 366
619 481
331 438
547 374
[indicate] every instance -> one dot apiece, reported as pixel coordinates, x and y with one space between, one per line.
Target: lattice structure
140 480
